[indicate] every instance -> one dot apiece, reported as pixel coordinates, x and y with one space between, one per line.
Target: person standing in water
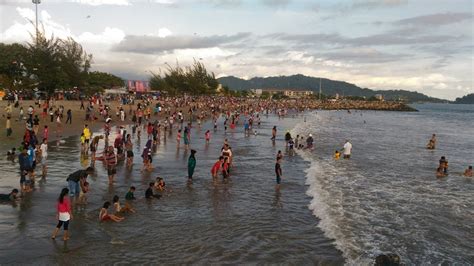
110 161
216 167
287 137
64 214
129 148
207 135
347 150
191 165
44 157
468 172
309 142
432 143
278 173
443 165
274 133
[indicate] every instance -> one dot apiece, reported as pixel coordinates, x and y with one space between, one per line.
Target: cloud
382 39
103 2
225 3
154 44
365 55
19 32
370 4
22 32
108 37
275 3
436 19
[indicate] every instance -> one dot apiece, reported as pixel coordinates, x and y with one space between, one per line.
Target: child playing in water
160 184
83 142
12 196
149 192
83 192
105 216
216 167
130 195
337 155
119 209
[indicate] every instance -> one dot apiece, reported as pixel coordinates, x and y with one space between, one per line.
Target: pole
320 89
36 2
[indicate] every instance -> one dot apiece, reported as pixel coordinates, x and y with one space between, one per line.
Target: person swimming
12 196
468 172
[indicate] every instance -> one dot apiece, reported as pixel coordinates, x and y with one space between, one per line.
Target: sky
417 45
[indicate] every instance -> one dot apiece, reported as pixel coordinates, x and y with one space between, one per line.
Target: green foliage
50 64
99 81
467 99
279 96
265 95
193 80
12 65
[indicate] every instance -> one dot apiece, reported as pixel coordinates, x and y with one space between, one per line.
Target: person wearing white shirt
347 150
44 156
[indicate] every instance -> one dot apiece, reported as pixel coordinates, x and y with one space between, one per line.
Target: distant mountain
467 99
329 87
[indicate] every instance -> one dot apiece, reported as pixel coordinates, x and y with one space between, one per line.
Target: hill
467 99
329 87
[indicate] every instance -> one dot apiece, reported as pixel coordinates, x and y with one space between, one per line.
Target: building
291 93
379 97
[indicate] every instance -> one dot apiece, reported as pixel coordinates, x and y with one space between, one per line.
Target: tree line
50 64
192 80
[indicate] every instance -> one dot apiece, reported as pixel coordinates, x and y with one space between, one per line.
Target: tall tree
192 79
13 71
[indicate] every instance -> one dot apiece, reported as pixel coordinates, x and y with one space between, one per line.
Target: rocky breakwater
366 105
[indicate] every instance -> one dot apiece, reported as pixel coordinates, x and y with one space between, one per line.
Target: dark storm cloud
155 44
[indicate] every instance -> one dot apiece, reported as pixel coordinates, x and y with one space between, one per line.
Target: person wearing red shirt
217 166
64 214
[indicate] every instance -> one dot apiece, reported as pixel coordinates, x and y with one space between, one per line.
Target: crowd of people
152 120
149 119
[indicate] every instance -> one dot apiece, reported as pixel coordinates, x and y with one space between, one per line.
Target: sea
385 199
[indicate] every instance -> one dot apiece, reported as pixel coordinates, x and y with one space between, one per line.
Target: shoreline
75 129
